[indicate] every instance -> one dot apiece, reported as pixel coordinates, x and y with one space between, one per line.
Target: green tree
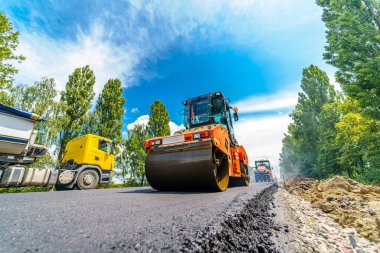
40 98
110 111
158 123
122 165
358 139
76 98
135 155
353 46
91 126
8 44
328 149
303 145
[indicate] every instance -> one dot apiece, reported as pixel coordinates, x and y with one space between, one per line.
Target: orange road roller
205 156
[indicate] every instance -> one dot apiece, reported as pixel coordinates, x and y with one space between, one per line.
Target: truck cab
87 161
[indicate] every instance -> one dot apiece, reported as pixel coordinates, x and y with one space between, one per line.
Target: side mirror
113 147
236 116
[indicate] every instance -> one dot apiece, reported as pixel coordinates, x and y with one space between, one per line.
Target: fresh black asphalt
109 220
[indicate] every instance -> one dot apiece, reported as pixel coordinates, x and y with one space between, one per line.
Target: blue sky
253 51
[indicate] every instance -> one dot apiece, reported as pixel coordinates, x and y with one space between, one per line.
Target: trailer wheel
88 179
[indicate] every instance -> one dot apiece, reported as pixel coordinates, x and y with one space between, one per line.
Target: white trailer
17 148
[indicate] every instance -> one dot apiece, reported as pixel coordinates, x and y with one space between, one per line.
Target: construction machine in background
263 171
205 156
87 160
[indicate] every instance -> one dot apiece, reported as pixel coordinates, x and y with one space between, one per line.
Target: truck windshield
199 111
266 163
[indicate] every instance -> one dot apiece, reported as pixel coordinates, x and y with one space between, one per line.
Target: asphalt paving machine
87 160
205 156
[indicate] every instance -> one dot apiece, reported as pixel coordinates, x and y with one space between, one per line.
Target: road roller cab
204 156
263 171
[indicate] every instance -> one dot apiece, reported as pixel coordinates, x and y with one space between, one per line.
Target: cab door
106 159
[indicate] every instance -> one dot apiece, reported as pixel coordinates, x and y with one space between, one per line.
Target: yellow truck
87 161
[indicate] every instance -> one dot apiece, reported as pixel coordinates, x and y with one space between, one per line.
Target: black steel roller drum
185 170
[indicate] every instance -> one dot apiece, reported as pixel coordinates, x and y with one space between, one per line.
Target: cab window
104 146
217 111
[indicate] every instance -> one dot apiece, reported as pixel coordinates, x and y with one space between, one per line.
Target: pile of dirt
348 202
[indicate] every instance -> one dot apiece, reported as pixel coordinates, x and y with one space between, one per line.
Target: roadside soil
347 202
304 228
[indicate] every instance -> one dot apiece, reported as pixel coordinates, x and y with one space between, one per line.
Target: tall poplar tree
109 110
76 98
158 123
302 150
353 47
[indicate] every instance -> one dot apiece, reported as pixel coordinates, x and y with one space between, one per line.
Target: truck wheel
88 179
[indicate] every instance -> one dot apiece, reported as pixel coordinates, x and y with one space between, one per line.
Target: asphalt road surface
109 220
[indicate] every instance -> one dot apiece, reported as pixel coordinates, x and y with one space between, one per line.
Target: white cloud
283 99
262 137
135 110
174 127
58 58
143 120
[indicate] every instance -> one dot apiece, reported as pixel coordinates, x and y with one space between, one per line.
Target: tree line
73 112
339 132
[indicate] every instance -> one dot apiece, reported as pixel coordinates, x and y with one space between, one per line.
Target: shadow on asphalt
152 191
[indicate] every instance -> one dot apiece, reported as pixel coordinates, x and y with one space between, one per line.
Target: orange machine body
215 134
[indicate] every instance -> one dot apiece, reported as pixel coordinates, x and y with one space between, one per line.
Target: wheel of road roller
221 171
88 179
244 180
204 169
